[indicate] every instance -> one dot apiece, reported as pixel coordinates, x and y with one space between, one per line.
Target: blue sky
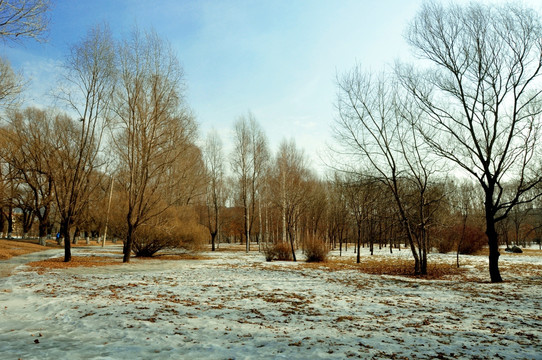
277 59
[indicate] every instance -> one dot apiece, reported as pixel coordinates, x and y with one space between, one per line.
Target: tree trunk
65 232
213 237
247 227
358 257
10 221
493 241
127 249
75 236
292 245
43 226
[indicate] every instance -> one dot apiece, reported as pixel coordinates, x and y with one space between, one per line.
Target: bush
149 239
316 250
448 239
175 228
474 241
278 251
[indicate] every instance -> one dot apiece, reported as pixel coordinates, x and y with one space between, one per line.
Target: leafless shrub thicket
316 250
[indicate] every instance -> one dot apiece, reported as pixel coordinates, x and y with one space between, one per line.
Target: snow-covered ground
237 306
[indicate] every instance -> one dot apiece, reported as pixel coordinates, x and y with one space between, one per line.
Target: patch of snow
237 306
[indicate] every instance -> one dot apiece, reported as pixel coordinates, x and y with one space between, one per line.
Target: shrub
316 250
278 251
175 228
446 240
474 241
149 239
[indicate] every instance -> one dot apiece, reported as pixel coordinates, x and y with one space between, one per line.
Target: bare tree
154 128
29 146
214 160
482 99
360 195
248 161
290 183
23 19
375 125
337 215
87 91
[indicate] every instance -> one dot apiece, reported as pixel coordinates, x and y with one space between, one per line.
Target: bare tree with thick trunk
153 129
87 91
482 99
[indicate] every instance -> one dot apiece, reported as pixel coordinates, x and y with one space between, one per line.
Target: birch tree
214 160
290 183
248 161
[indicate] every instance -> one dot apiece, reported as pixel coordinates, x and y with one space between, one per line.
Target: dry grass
185 256
530 252
95 261
389 266
225 247
10 248
76 261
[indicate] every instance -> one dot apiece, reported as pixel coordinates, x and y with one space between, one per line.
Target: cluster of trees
126 142
472 103
122 116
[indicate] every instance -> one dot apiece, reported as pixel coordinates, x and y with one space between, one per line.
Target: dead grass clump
10 248
186 256
316 250
279 251
392 266
76 261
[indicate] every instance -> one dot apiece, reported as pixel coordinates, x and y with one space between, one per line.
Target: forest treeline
440 155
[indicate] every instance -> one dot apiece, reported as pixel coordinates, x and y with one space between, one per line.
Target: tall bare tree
291 184
154 128
86 89
248 161
29 147
482 99
214 160
375 126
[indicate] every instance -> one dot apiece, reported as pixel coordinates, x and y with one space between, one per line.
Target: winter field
233 305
